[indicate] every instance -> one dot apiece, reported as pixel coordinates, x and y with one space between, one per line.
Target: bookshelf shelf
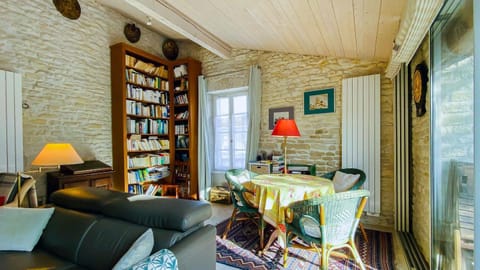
154 101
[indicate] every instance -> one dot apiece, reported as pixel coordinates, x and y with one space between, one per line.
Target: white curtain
204 144
254 102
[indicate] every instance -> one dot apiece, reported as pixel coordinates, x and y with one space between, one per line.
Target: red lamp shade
286 127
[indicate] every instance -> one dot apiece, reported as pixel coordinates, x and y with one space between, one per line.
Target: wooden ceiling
360 29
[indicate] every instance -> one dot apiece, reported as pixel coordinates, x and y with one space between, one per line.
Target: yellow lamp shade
55 154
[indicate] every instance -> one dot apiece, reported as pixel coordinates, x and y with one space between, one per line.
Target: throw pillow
21 228
344 181
163 259
140 249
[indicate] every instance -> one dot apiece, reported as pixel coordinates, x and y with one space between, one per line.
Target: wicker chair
326 223
358 185
243 201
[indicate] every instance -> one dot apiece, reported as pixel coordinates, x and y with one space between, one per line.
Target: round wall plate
68 8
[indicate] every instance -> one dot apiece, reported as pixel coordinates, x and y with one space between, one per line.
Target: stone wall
285 78
420 203
65 67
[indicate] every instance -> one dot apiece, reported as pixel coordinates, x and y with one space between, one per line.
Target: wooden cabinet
59 180
154 121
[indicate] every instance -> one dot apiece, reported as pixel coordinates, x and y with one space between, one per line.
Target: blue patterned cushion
163 259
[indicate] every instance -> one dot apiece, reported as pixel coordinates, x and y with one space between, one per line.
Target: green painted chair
243 201
358 185
326 223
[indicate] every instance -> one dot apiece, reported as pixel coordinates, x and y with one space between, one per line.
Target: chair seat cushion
310 226
344 181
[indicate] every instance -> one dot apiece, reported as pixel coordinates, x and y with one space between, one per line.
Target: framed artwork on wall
279 113
319 101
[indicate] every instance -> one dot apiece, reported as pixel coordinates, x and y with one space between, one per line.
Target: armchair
243 200
9 189
326 223
358 185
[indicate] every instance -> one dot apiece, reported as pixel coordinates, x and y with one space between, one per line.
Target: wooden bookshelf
140 90
184 96
175 87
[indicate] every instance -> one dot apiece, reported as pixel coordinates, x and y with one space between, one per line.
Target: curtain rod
226 73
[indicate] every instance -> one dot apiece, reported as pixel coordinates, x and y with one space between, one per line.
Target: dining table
274 192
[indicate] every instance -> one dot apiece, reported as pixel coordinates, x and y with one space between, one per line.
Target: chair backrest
333 218
9 189
235 178
358 184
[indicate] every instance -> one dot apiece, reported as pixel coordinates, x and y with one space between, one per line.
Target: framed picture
279 113
319 101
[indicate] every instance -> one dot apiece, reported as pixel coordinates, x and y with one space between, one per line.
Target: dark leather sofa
92 228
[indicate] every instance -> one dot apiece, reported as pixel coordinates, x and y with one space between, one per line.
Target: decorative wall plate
170 49
68 8
132 33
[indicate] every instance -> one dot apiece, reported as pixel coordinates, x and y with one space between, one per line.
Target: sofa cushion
65 231
21 228
86 199
167 213
36 259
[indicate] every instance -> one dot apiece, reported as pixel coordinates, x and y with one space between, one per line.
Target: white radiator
402 152
11 129
361 133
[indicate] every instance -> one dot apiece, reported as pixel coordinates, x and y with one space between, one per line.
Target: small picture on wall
319 101
279 113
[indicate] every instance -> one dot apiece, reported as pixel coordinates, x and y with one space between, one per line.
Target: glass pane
222 124
239 159
222 141
452 138
222 160
239 123
240 141
222 106
240 104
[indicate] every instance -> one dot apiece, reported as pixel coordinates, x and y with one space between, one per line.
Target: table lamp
51 156
285 128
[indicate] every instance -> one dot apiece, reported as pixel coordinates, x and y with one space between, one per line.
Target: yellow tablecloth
273 192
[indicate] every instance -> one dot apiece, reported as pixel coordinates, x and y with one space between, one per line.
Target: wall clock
419 88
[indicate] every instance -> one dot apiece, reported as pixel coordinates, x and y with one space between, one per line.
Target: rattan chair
358 185
325 224
243 201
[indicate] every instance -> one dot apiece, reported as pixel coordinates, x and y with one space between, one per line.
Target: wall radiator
402 151
361 132
11 128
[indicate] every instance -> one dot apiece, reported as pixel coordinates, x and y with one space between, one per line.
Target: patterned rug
240 250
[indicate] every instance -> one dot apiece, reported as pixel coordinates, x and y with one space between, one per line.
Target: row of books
181 85
149 110
181 129
136 143
149 160
181 99
136 77
182 172
147 126
149 174
156 96
182 141
157 70
180 71
182 115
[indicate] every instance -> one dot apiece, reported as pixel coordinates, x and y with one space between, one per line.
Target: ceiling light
149 20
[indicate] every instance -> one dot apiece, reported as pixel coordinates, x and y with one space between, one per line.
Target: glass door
452 137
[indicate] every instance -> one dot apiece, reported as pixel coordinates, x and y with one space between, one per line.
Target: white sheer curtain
254 102
204 145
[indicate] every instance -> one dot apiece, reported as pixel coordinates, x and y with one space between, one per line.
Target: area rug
241 247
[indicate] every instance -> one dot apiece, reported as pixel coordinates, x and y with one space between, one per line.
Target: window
230 125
